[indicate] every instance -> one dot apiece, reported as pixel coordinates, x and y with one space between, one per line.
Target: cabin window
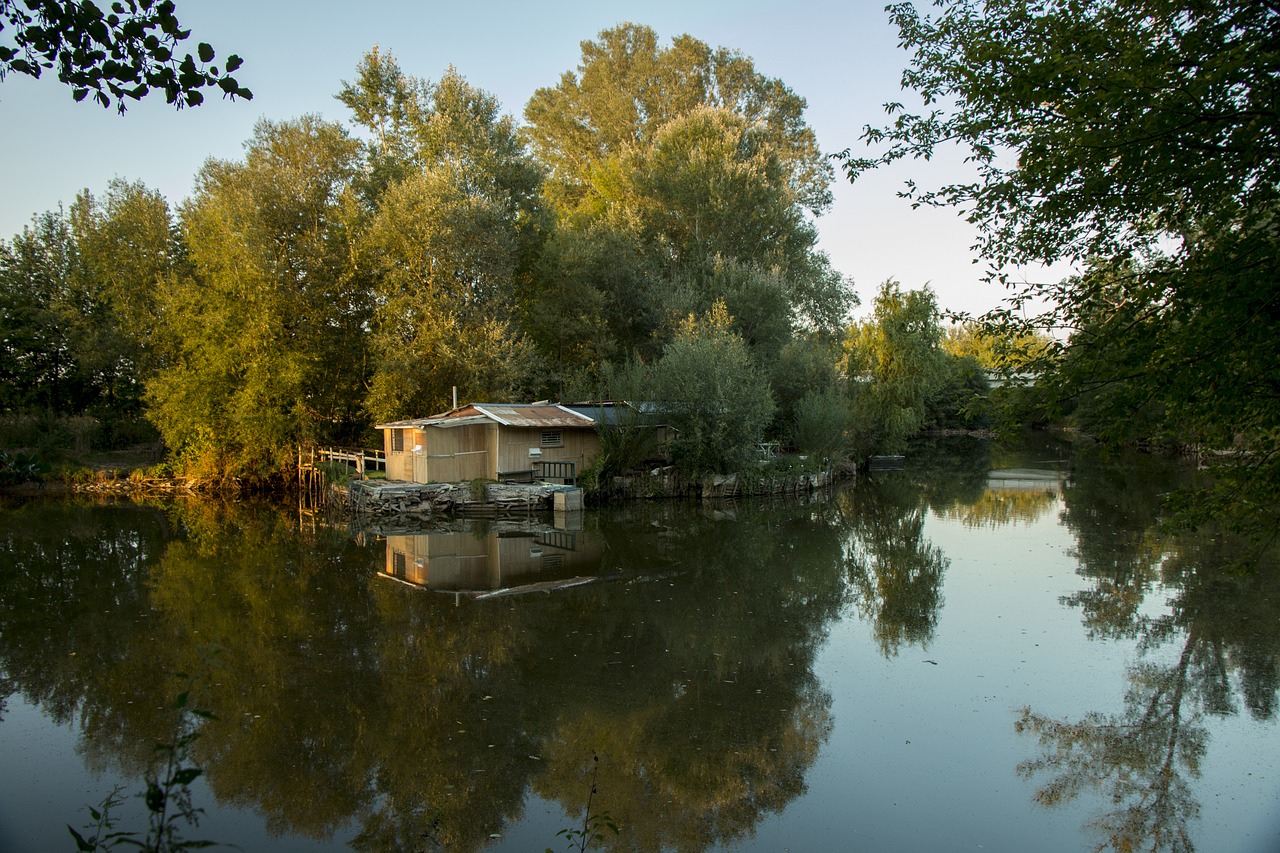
398 563
397 440
552 438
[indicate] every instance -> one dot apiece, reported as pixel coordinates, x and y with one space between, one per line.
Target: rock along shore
390 498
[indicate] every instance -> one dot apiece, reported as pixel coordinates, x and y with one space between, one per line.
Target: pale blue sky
842 57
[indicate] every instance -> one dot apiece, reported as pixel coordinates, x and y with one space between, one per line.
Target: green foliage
121 54
269 329
1136 139
820 423
389 104
18 468
756 298
445 261
454 236
49 435
323 281
962 399
996 347
77 294
627 89
126 245
713 394
896 366
167 797
632 438
479 488
39 319
704 174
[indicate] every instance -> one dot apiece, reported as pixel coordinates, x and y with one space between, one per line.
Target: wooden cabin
503 442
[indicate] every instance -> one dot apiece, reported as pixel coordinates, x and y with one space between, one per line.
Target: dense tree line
655 212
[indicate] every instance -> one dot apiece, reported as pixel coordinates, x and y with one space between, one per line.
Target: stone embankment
390 498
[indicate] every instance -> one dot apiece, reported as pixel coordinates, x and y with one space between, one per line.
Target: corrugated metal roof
531 415
612 414
534 415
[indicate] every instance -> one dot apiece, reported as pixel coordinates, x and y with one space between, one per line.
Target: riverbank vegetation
651 220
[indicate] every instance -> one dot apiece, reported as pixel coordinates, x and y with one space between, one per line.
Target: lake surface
994 649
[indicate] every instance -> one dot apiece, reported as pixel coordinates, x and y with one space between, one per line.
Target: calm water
995 649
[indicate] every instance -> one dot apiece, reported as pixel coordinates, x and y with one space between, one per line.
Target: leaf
81 844
187 775
206 52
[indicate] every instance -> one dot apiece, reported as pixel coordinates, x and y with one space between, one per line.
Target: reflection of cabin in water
467 562
498 442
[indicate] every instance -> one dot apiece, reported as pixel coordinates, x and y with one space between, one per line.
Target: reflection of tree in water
73 603
1225 624
1001 507
953 473
346 700
1112 507
894 571
1141 756
699 692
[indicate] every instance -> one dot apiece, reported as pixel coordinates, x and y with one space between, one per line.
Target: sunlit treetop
116 55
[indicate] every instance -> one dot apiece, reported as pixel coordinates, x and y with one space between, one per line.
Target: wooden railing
363 459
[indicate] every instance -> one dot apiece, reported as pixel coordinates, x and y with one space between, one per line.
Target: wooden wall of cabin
579 446
400 462
450 455
457 454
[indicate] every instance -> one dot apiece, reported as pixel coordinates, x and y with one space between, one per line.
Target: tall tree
270 326
388 104
1138 138
77 305
627 88
699 160
713 393
37 309
453 243
126 245
897 364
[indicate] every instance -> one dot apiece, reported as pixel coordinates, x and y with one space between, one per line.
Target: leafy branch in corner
121 54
